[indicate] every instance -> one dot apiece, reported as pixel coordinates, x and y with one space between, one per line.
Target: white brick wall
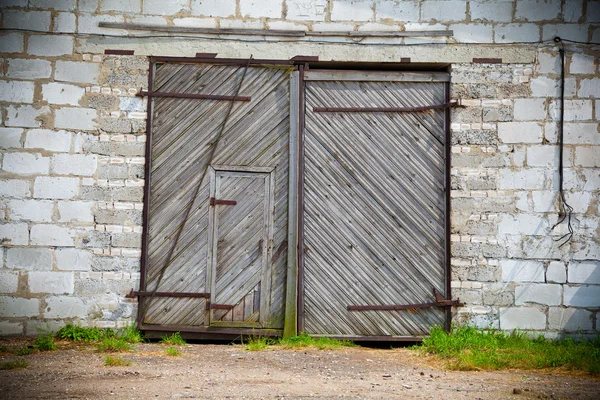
75 118
213 8
33 259
50 235
522 318
19 68
65 307
15 307
30 210
26 163
51 282
49 46
55 188
58 93
74 164
49 140
69 259
16 92
522 271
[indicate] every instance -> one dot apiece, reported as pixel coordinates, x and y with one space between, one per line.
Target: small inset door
240 241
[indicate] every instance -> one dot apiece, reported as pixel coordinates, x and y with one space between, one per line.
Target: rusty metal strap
133 294
146 93
385 109
439 302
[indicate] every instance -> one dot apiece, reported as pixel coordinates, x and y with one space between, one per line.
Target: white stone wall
72 138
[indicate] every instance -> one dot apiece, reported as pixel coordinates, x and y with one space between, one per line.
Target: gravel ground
229 371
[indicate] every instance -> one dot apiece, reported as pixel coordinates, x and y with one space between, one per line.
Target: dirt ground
231 372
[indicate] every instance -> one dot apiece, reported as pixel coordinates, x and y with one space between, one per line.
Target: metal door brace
439 302
214 202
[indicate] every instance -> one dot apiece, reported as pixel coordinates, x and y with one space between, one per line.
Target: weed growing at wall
172 351
45 342
173 340
113 345
111 361
467 348
14 364
301 341
75 333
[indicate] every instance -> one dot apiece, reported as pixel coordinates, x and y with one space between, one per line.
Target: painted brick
522 318
542 294
26 116
526 224
26 164
509 33
34 20
69 259
10 138
161 7
16 91
65 307
15 188
491 11
75 118
587 156
533 178
581 133
9 282
443 10
11 307
30 210
352 10
569 319
75 211
55 188
49 140
51 282
582 296
214 8
121 6
65 22
520 132
556 272
522 271
80 72
529 109
589 88
32 259
544 201
28 68
59 93
12 43
584 272
397 10
75 164
49 46
50 235
58 5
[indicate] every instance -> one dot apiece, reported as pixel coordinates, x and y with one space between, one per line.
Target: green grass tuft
174 340
110 361
14 364
23 351
258 343
130 334
172 351
467 348
45 342
82 334
321 343
113 345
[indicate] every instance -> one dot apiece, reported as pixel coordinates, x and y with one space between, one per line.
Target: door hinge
214 202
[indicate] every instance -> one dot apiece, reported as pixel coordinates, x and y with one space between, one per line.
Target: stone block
34 327
30 210
118 217
118 264
9 282
541 294
574 110
14 307
355 10
50 235
55 188
75 211
520 132
65 22
127 80
10 138
16 91
491 11
582 296
542 86
581 133
443 10
15 188
194 22
57 5
569 319
132 240
21 68
556 272
593 11
582 202
89 24
116 171
11 328
543 156
65 307
59 93
532 178
11 43
522 318
79 72
69 259
544 201
529 109
510 33
75 118
75 164
587 156
87 5
537 10
26 163
548 63
49 140
161 7
27 116
121 6
582 64
522 224
587 272
473 33
498 294
50 46
589 88
33 259
101 102
214 8
573 11
28 20
522 271
577 32
118 149
51 282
